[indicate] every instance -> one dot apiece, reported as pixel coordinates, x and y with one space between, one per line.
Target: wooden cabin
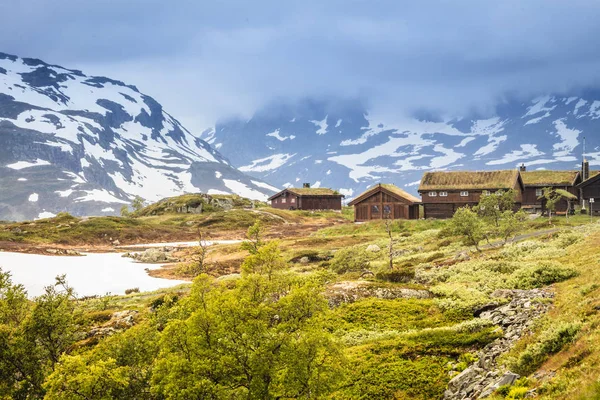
535 182
590 189
385 201
307 198
445 192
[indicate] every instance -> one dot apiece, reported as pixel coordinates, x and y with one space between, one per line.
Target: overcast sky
205 60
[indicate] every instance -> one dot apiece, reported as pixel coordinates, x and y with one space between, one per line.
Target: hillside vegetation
381 310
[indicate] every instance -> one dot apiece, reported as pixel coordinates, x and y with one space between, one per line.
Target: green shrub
566 239
550 342
542 274
132 290
399 275
350 259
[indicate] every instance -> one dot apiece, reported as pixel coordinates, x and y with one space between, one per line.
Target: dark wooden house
385 201
445 192
536 181
590 189
307 198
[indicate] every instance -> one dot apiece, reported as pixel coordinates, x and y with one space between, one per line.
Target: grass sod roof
469 180
389 187
310 192
549 178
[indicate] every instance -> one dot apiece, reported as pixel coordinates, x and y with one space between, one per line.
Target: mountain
343 145
89 145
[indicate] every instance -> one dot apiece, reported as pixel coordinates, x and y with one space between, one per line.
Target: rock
462 256
116 242
154 255
119 321
304 260
351 291
373 248
508 378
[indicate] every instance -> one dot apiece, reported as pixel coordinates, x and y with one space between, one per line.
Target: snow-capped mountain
88 145
344 146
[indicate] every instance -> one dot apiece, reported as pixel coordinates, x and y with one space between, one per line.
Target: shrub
396 275
350 259
542 274
566 239
550 342
132 290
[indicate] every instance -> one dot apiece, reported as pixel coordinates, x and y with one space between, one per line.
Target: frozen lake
92 274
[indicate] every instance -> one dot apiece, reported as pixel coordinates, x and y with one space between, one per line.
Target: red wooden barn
385 201
445 192
307 198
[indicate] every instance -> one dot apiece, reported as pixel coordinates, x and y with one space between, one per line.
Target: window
443 194
284 200
539 192
387 209
375 210
432 194
464 193
293 200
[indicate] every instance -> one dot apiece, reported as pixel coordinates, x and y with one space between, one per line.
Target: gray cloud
206 60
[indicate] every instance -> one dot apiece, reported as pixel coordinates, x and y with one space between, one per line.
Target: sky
208 60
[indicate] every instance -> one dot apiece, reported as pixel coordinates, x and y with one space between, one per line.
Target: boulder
304 260
373 248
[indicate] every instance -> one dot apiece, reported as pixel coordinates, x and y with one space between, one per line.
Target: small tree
253 240
511 224
125 211
491 207
466 223
137 204
388 229
553 196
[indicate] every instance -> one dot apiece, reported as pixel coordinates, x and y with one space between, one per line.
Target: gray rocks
63 252
351 291
154 255
373 248
304 260
119 321
483 377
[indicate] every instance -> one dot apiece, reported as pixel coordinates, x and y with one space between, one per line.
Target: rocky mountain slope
344 146
88 145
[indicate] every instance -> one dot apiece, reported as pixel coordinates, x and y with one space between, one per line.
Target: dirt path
519 238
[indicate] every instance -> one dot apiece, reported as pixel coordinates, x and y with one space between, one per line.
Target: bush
542 274
550 342
132 290
566 239
403 275
350 259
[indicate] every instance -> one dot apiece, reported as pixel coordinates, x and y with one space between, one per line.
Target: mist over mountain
344 145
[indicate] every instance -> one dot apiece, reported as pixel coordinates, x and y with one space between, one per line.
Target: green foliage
253 240
492 207
125 211
467 224
266 261
550 342
541 274
350 259
137 204
396 275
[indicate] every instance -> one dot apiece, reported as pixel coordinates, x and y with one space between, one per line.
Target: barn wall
374 207
320 203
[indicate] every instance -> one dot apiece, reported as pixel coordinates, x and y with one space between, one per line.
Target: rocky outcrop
351 291
154 255
119 321
514 317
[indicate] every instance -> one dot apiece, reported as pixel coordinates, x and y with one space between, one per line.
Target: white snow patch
595 110
108 209
45 214
277 136
216 191
218 174
27 164
64 193
493 143
33 197
570 100
317 184
318 161
465 141
414 183
579 104
338 123
527 151
346 192
265 186
100 195
328 172
22 179
243 190
537 119
569 139
267 163
539 106
321 124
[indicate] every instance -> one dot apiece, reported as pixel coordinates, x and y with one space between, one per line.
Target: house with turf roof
385 201
444 192
307 198
536 181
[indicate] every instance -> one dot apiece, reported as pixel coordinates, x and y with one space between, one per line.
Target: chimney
522 168
306 185
585 169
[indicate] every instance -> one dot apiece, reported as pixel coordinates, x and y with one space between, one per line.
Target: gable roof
326 192
594 177
387 187
474 180
549 178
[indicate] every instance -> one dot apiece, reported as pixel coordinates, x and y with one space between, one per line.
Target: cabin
445 192
535 182
385 201
590 189
307 198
